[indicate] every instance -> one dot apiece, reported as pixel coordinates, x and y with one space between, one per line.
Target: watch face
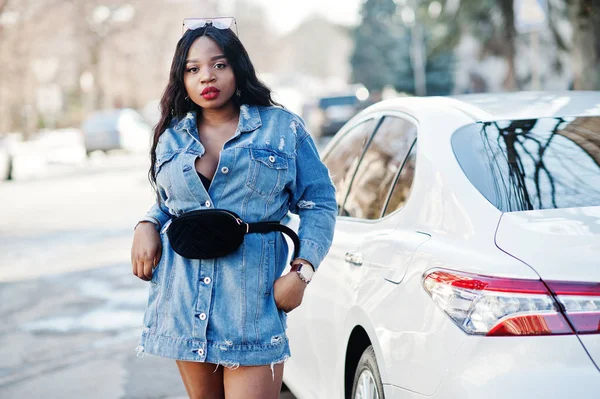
306 271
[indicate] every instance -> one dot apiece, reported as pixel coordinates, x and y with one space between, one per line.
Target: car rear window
532 164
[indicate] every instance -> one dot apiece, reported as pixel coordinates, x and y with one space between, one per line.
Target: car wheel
367 381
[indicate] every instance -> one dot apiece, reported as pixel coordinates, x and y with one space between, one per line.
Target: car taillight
483 305
581 302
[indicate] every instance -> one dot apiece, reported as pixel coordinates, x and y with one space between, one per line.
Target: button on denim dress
222 310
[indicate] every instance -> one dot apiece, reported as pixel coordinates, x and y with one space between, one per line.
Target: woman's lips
210 93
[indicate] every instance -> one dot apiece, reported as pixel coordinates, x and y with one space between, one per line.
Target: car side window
344 157
403 183
379 167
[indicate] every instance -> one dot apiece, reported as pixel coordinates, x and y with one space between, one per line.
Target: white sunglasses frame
228 23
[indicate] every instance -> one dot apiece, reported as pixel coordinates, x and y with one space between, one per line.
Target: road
71 310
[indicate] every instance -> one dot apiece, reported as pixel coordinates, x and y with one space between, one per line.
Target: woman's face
208 76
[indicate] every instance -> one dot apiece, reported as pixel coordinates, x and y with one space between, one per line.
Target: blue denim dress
222 310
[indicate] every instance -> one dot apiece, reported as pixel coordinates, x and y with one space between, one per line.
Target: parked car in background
328 114
116 129
465 261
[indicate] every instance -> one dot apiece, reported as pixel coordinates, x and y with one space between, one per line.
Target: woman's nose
207 76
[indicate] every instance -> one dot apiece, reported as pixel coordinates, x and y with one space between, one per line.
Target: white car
466 256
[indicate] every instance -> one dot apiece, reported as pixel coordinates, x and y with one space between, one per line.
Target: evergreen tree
403 69
383 45
440 73
439 66
375 45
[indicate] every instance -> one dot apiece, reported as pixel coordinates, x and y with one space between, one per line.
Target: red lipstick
210 93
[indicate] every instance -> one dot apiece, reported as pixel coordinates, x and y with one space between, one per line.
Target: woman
222 143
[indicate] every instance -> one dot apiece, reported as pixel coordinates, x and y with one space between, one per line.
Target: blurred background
80 82
62 60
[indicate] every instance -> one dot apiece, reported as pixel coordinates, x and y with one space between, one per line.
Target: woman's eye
192 69
220 65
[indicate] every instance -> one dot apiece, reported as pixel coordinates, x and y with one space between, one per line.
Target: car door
364 244
308 325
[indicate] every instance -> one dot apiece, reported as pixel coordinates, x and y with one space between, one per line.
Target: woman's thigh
202 380
253 382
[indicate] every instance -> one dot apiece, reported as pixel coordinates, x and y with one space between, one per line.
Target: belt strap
265 227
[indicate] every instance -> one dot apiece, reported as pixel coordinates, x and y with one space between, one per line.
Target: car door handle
354 258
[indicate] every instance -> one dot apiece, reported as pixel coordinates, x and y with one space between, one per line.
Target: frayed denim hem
220 353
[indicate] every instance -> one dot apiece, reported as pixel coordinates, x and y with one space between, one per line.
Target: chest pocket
267 172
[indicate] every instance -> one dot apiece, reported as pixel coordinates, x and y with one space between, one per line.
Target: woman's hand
146 250
288 291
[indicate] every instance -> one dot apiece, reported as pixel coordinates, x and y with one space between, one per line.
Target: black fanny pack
212 233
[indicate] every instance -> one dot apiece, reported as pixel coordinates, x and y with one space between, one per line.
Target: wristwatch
304 270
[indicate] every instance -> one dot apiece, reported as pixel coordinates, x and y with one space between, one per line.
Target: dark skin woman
209 69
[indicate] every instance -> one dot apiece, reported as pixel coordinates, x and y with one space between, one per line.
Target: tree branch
3 4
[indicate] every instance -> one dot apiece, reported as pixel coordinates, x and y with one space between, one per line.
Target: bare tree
585 19
21 43
128 56
509 39
3 4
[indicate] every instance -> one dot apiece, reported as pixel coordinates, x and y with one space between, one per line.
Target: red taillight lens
531 325
485 283
484 305
581 303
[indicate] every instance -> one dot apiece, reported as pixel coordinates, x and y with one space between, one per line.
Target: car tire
367 380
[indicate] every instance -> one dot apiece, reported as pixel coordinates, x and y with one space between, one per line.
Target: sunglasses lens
195 23
222 23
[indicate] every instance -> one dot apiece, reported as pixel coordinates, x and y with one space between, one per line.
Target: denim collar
249 120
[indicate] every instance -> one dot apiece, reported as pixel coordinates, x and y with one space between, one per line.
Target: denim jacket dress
222 310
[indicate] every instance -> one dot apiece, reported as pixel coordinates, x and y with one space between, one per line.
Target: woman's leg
201 380
253 382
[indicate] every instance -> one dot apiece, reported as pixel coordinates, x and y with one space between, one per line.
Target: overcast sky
285 15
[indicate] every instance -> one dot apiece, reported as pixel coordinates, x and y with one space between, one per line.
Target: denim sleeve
158 213
314 201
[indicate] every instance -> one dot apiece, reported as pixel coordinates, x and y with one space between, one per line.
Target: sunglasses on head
217 22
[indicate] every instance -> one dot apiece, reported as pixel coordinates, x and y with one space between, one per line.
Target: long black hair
173 103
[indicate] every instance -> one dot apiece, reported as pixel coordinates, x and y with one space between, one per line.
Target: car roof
530 104
502 106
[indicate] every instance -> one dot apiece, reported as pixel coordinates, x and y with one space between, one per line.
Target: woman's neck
215 117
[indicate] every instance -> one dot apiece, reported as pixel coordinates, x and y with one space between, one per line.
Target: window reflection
403 185
533 164
344 157
379 167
